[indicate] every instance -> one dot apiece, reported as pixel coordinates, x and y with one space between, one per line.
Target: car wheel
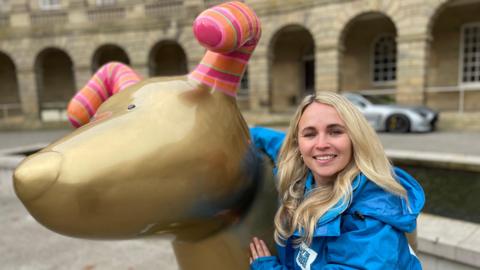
398 123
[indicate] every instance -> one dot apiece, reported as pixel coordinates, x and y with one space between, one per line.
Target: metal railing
106 13
10 109
49 17
54 105
211 3
159 9
460 89
165 8
53 111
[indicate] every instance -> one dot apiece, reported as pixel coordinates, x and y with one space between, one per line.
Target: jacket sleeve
267 263
367 244
268 141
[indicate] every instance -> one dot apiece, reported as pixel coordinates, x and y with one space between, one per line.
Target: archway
453 74
292 67
167 58
369 58
108 53
55 83
9 96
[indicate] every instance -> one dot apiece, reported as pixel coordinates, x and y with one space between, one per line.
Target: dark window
471 49
384 59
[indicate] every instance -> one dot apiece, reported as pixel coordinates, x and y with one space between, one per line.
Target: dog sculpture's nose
36 174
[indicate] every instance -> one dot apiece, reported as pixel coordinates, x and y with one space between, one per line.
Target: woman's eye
336 132
131 107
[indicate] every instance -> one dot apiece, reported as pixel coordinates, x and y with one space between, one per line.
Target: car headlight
422 112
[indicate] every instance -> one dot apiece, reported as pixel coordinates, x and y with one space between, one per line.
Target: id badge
305 257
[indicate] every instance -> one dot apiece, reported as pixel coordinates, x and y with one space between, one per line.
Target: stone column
82 75
19 14
193 61
77 3
77 11
28 96
258 76
141 69
138 53
193 4
327 68
192 8
412 63
135 11
193 50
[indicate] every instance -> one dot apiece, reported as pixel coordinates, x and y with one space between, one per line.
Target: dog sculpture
162 156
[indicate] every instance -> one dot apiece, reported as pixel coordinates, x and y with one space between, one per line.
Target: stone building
416 51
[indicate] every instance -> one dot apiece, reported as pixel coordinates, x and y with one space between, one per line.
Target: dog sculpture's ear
110 79
227 27
230 32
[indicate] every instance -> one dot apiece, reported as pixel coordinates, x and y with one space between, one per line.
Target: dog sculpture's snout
36 174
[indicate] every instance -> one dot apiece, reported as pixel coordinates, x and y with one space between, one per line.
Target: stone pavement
25 244
10 139
462 143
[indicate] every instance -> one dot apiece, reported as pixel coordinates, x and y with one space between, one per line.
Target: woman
342 205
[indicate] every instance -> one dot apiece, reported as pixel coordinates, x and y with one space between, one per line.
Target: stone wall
448 244
342 32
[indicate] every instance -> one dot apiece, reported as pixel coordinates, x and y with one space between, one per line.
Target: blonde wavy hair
299 212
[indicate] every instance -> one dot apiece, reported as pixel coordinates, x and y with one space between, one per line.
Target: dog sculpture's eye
131 107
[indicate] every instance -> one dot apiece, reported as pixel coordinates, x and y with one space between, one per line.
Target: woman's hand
258 249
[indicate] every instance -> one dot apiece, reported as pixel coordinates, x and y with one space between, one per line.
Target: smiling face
323 142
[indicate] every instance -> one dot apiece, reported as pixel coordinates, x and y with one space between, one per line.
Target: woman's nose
322 142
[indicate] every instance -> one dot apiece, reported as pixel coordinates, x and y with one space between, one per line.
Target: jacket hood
371 200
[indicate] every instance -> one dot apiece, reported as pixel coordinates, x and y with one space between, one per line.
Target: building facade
416 51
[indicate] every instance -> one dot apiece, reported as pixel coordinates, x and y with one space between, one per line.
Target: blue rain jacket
368 233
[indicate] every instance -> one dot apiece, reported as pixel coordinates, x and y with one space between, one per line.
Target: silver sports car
395 118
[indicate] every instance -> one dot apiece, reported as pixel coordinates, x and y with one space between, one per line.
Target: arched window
384 60
49 4
167 58
471 54
108 53
102 3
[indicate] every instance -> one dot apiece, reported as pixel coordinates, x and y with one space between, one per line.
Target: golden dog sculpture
163 156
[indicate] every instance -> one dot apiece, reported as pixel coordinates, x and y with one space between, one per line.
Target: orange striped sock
110 79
